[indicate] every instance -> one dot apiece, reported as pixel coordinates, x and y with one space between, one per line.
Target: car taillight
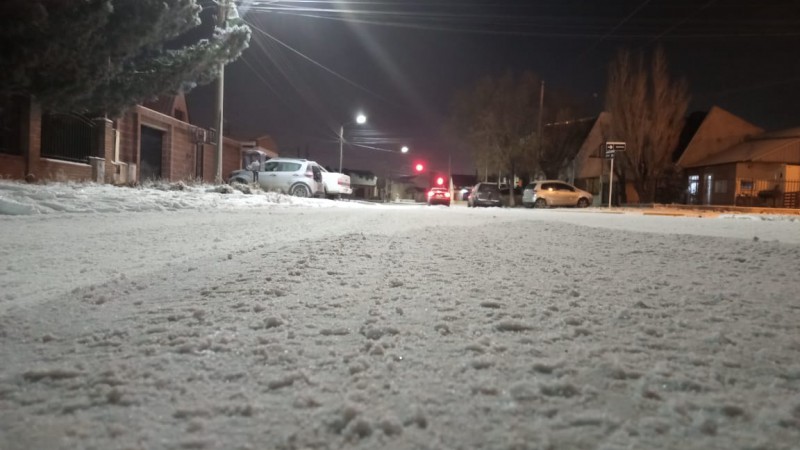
447 194
309 174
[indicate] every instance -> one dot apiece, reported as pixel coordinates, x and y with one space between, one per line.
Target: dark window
11 125
288 167
564 187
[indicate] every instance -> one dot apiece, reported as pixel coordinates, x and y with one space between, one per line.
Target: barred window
70 137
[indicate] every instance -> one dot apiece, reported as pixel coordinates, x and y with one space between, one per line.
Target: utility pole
222 22
539 126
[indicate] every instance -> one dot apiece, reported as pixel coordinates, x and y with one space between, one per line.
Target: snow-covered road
364 326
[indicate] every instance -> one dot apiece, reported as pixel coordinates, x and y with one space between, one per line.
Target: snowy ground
189 319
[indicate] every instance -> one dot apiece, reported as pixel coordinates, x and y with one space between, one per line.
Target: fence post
104 129
98 169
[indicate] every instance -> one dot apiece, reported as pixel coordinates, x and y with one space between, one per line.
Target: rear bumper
439 202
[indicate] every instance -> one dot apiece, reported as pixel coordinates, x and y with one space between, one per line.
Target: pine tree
103 56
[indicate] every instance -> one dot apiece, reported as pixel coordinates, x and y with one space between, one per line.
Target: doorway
151 153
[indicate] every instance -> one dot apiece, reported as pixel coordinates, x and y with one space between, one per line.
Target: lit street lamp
404 149
359 120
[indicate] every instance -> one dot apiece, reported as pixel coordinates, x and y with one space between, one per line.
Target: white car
546 193
298 177
336 184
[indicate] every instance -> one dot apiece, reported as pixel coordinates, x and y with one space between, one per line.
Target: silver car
546 193
298 177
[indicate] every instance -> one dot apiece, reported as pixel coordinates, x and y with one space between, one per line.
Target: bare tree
561 141
498 119
648 109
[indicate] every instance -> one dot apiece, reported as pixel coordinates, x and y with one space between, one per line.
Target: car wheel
583 203
540 203
300 190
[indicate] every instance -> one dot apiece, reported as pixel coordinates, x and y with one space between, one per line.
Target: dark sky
312 66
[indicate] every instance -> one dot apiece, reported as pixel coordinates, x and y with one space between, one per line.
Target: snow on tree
104 56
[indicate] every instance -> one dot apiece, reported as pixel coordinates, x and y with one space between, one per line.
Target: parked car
438 196
546 193
336 184
484 194
298 177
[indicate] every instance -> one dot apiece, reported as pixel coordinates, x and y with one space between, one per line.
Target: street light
404 149
360 119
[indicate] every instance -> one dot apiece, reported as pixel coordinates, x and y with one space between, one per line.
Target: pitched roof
780 146
162 104
719 130
588 163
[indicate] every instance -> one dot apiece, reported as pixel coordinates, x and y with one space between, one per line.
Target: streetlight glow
404 149
360 119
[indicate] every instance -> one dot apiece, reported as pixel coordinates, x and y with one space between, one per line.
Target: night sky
312 66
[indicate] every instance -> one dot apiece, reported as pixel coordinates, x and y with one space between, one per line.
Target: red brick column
105 145
32 146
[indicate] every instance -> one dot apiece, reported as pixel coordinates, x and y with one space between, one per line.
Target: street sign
613 147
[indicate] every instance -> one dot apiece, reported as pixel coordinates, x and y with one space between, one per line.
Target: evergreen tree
103 56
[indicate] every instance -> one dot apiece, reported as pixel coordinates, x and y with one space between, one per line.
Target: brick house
150 141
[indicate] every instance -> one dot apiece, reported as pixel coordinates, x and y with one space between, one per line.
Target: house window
10 125
694 184
746 185
721 186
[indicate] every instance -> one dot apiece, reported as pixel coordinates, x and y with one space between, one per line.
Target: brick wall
231 159
12 166
179 152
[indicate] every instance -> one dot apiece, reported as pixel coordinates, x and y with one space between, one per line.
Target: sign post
611 149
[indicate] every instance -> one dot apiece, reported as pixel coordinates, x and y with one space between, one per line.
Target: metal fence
773 193
70 137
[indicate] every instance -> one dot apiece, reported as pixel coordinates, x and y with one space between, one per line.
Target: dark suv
484 194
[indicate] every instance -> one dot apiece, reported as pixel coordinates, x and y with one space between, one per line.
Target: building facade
151 141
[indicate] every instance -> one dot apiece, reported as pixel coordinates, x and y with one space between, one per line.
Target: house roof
718 131
588 163
464 180
162 104
780 146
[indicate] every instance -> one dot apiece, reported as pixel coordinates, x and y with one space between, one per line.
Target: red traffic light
419 167
439 181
